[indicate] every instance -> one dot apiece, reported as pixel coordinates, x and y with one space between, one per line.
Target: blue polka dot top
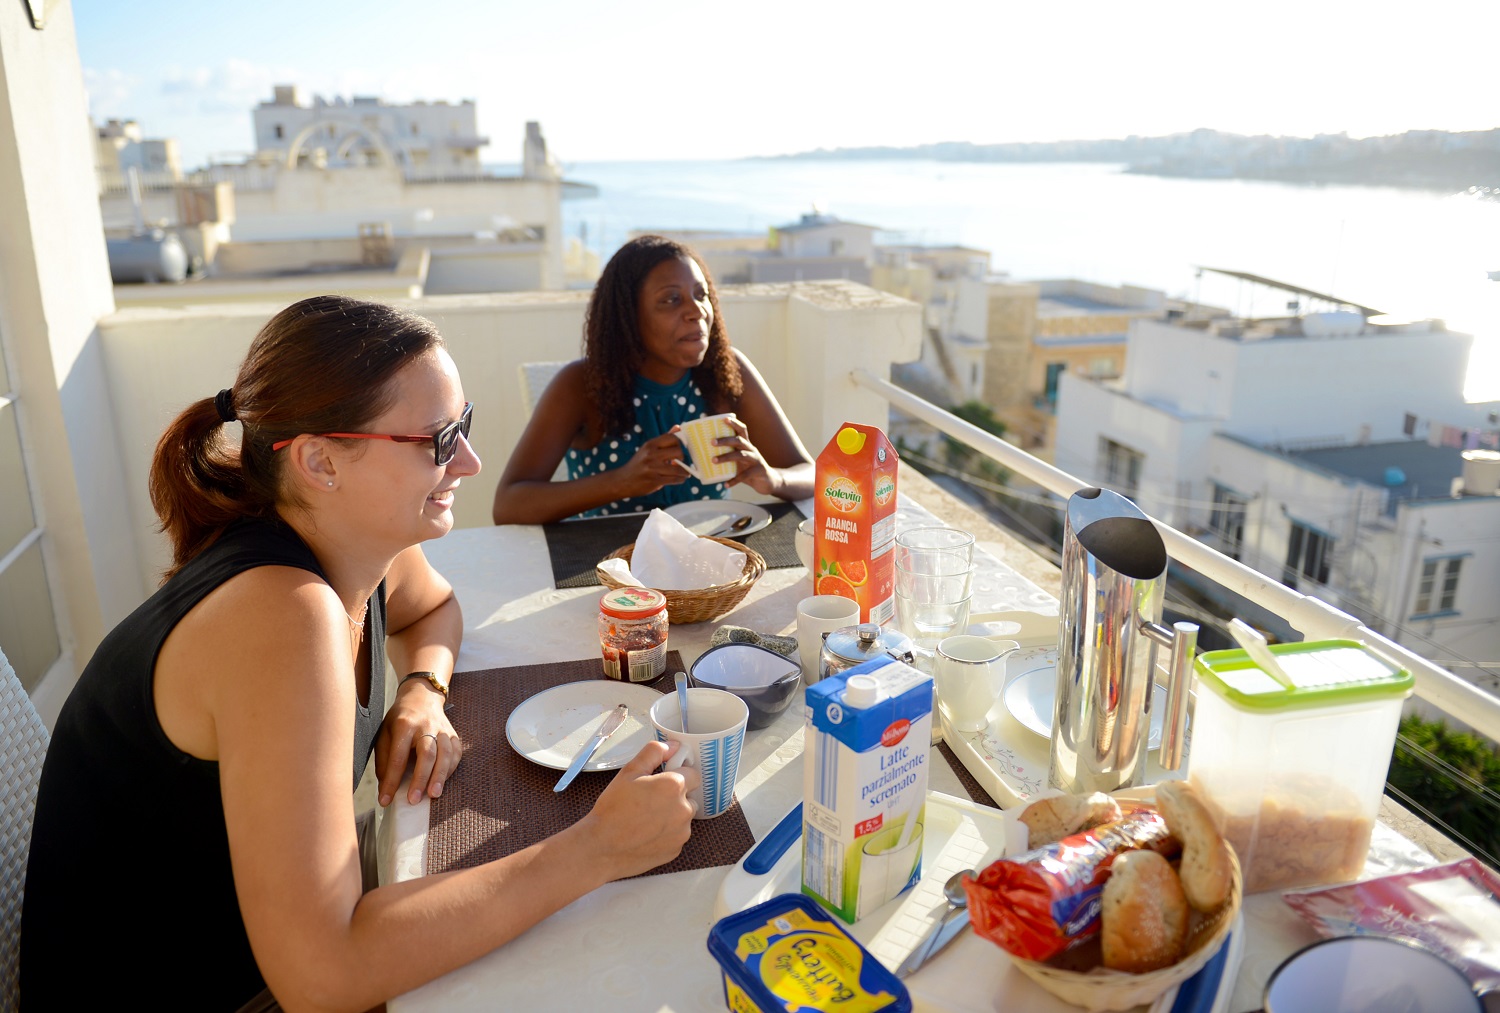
658 407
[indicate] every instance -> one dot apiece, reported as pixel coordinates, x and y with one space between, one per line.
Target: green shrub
1451 779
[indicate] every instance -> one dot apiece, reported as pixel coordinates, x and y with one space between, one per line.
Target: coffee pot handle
1182 639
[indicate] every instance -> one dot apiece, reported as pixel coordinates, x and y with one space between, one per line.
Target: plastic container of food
633 633
1294 771
789 954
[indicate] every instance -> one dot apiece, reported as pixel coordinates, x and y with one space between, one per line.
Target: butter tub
789 955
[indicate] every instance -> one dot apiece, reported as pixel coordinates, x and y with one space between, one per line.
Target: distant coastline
1419 159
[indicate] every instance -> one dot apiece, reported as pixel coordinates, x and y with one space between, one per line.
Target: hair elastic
225 408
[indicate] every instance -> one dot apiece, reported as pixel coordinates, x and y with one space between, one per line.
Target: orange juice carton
855 521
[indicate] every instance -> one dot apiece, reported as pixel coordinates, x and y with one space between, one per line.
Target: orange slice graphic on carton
831 583
855 571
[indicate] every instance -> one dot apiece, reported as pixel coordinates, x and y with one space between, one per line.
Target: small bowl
765 680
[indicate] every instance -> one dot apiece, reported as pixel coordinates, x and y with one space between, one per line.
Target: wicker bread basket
1104 989
706 602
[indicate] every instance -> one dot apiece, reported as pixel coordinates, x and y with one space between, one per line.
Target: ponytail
197 484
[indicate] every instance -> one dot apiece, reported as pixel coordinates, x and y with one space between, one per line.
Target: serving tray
1008 759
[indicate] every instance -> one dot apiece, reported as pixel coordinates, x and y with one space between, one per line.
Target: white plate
552 726
704 516
1031 695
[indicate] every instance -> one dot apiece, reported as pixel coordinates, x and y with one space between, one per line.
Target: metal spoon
682 687
728 529
954 892
958 900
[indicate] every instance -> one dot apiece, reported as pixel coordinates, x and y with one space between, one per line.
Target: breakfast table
639 944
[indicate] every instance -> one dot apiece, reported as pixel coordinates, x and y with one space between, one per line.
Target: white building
432 137
1325 451
824 235
356 187
120 146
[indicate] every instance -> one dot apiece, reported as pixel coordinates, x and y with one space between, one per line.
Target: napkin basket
1106 989
705 603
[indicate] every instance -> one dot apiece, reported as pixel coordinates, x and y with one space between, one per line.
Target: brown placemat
973 787
498 802
575 546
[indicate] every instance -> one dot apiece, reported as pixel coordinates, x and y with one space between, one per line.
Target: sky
656 80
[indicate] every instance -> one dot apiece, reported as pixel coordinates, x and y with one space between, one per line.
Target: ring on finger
429 735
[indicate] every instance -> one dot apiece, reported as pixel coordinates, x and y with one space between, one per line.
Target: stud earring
330 483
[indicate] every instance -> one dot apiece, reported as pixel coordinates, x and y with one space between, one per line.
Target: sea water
865 756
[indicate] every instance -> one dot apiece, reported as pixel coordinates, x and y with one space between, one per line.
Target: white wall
1290 492
1435 528
435 123
1175 446
493 268
54 285
1286 389
970 312
310 203
774 269
835 240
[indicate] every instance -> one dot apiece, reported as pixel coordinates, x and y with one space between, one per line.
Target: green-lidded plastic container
790 954
1295 770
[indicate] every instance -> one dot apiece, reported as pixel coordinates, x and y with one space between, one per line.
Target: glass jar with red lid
633 633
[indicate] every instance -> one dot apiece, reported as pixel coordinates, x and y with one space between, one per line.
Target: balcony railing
1314 619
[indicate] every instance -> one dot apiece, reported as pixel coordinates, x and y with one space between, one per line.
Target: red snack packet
1043 901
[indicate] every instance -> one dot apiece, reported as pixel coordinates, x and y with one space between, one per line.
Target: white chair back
23 744
535 376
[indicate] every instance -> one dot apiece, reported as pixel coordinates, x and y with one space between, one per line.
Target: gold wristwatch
431 679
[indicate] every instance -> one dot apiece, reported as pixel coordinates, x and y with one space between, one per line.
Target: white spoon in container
1260 652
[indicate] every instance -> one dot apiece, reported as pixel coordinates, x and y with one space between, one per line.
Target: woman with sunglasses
656 355
229 706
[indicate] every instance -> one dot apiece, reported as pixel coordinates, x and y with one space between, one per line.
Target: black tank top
129 890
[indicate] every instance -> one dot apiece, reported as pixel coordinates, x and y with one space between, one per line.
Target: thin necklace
357 626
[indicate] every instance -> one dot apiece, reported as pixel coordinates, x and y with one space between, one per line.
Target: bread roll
1145 916
1204 870
1051 819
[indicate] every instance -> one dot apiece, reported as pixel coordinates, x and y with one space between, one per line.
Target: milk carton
854 521
864 766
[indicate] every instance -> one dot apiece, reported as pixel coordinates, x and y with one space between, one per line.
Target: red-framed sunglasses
444 441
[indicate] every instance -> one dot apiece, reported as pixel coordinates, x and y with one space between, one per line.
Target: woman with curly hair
656 355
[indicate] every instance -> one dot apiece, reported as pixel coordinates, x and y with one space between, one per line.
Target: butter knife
945 933
614 721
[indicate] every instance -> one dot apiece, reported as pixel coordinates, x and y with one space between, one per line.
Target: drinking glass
916 541
932 595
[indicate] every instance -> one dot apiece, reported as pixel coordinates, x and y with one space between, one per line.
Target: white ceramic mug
816 616
698 438
712 744
967 673
804 544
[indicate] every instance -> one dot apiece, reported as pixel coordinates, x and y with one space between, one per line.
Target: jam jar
633 633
